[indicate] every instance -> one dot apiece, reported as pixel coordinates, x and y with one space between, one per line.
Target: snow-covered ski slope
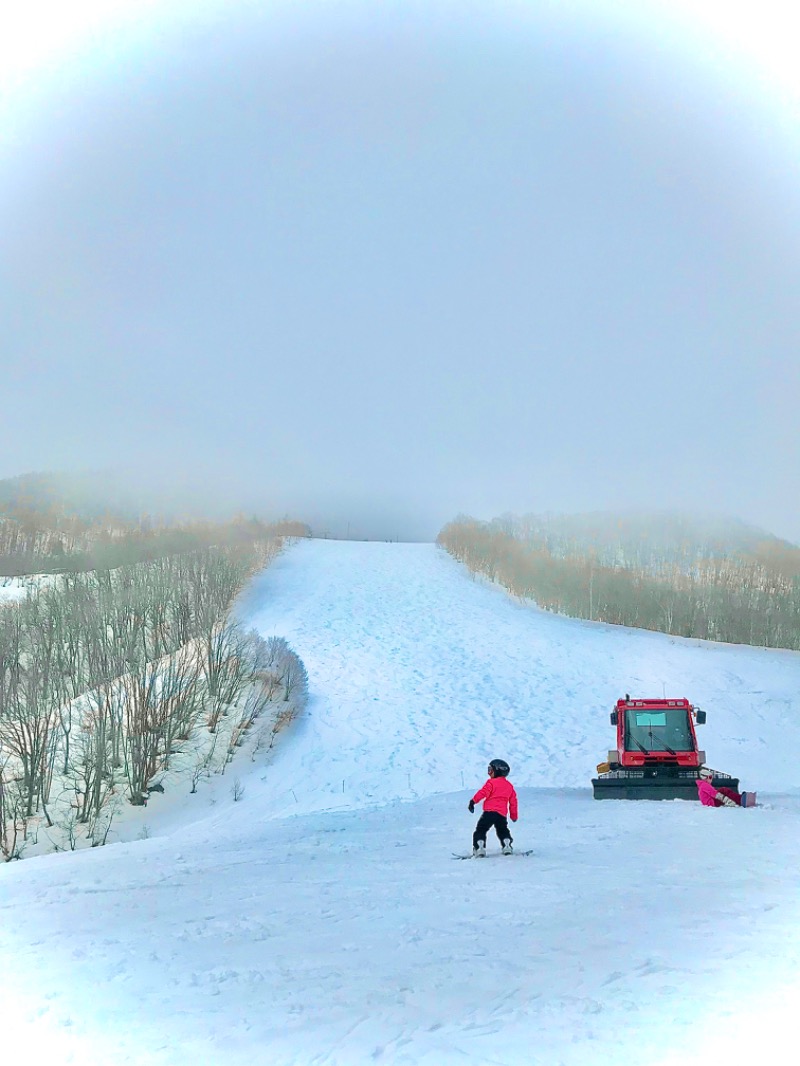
321 921
420 674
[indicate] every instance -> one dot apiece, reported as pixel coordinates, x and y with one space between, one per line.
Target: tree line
44 543
732 596
107 675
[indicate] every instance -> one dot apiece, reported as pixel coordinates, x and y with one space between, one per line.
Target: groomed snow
321 920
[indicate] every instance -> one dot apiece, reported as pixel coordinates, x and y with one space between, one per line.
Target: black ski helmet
500 767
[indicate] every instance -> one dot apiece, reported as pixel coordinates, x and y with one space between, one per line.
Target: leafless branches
700 589
105 675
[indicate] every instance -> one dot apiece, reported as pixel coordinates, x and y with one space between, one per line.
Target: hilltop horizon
92 494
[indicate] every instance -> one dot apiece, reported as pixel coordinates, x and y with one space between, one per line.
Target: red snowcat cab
656 755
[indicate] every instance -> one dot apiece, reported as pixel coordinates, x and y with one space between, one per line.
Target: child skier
710 796
498 797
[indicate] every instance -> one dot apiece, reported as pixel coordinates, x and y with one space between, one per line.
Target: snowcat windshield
666 730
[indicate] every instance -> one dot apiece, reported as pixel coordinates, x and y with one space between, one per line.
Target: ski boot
507 849
479 850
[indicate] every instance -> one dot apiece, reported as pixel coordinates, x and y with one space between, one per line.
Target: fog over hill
128 496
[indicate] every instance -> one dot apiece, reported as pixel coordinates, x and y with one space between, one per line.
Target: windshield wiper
664 745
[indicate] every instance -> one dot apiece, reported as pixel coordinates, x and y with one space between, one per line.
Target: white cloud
754 41
46 31
41 33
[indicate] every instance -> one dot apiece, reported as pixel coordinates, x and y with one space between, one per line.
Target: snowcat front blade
654 783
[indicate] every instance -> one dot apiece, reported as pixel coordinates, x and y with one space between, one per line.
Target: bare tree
159 701
223 667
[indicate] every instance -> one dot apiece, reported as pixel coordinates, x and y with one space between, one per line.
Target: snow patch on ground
16 589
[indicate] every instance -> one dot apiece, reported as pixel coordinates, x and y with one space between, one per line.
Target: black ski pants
485 823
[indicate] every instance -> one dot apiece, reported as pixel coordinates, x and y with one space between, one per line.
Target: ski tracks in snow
419 675
322 921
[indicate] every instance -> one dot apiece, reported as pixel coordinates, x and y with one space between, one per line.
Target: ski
491 855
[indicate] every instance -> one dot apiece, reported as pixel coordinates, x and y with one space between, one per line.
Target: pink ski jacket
498 795
707 793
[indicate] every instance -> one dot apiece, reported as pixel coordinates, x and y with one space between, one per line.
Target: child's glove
726 800
471 807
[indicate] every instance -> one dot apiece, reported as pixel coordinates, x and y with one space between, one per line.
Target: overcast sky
379 264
